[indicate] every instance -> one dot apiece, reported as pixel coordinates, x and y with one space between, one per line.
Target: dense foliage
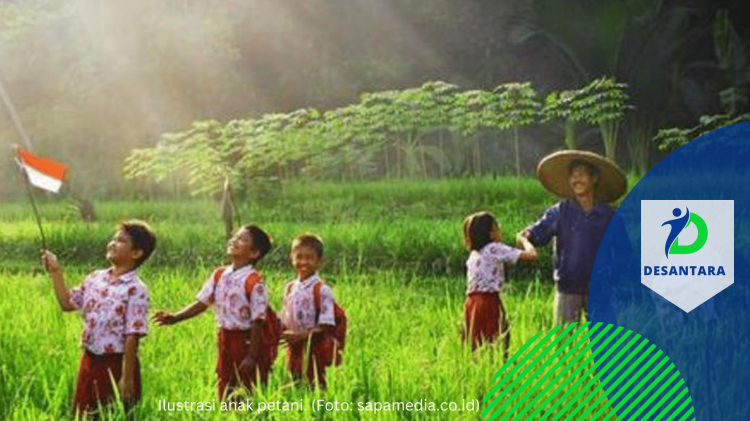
93 81
387 134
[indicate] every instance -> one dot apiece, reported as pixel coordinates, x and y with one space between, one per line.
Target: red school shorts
233 348
320 356
96 375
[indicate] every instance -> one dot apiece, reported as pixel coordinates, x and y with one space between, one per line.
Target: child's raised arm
529 252
55 270
164 318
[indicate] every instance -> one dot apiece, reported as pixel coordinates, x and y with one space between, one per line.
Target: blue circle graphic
708 345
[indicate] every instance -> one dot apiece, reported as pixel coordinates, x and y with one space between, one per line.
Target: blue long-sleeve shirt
577 235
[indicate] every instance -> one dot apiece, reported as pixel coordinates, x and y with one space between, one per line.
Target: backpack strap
316 299
251 281
217 274
254 278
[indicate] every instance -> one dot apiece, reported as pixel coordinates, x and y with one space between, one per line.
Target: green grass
324 202
403 345
395 258
399 225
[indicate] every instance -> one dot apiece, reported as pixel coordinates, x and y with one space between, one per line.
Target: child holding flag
114 304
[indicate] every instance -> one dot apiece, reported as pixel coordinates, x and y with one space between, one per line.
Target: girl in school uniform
484 313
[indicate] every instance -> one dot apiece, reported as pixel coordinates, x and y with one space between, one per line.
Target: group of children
115 305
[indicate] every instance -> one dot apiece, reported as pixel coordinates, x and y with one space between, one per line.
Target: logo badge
687 249
680 224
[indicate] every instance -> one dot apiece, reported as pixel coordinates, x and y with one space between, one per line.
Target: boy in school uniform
240 300
114 303
308 314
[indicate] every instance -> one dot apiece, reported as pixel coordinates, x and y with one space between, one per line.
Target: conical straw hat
553 173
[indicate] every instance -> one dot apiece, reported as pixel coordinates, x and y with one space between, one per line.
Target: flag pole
13 114
27 184
36 211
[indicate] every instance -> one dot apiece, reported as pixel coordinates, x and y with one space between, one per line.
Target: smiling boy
114 303
310 314
240 299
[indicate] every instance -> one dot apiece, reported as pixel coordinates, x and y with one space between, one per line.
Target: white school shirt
484 268
112 307
298 314
229 297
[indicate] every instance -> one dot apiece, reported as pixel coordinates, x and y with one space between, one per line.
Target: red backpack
271 332
339 318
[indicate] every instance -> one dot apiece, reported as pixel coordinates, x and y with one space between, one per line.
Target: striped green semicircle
588 372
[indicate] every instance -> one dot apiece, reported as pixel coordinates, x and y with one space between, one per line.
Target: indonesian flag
44 173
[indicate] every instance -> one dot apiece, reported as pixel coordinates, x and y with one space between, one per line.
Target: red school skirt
485 319
95 376
320 356
233 348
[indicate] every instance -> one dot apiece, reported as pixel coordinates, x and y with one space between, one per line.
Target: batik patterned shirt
112 307
229 297
484 268
298 314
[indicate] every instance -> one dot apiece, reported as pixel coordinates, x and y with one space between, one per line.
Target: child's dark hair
309 240
142 236
261 241
478 230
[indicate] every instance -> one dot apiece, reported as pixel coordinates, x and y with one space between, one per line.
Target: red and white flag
44 173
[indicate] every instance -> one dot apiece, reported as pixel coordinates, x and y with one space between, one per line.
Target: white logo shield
684 277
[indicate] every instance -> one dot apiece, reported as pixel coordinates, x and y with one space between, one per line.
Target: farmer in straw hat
586 182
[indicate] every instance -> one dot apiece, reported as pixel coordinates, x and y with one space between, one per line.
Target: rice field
395 261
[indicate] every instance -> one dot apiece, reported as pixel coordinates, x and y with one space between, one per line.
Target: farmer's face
305 261
581 180
120 249
241 248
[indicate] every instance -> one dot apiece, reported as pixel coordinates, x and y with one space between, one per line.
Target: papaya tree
519 107
508 106
601 103
399 120
204 156
668 140
473 112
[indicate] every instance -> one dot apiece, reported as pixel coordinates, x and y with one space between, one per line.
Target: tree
732 62
519 107
346 142
642 43
602 103
474 112
671 139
